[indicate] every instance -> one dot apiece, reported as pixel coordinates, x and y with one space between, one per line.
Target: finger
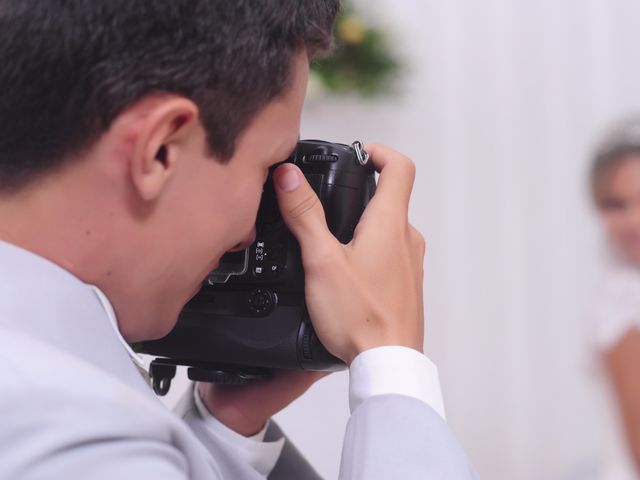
419 244
301 209
397 175
418 241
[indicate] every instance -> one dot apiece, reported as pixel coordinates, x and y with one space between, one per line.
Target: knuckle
418 240
422 246
411 168
307 204
407 165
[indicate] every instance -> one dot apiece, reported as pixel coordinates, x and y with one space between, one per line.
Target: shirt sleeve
260 455
616 308
394 370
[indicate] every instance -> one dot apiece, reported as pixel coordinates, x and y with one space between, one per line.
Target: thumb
300 207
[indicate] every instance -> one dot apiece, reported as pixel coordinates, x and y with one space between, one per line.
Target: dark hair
620 143
70 67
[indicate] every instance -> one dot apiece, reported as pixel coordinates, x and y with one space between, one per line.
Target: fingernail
289 180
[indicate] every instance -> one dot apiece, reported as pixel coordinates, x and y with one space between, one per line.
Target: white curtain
503 101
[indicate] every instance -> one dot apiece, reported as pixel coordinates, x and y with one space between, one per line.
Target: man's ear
166 127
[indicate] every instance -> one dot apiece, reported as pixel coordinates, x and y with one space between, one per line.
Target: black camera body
250 315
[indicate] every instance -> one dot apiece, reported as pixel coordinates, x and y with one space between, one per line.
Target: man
135 137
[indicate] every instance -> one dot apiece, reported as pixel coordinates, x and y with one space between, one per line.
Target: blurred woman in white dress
616 191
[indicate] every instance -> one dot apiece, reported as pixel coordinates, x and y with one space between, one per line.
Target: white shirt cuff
394 370
260 455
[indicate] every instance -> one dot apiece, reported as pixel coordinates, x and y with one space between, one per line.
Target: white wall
503 100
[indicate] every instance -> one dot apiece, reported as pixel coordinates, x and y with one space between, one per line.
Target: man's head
136 135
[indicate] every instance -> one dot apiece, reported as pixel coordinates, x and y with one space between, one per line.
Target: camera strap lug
361 154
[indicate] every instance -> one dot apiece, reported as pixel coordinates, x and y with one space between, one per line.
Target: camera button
320 158
262 302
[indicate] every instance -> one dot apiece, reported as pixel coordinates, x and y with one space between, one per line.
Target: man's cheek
250 203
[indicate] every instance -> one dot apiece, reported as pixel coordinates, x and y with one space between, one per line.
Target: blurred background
500 104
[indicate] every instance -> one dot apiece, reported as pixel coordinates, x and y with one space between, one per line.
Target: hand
367 293
246 408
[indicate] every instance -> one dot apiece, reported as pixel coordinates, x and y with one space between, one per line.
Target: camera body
250 315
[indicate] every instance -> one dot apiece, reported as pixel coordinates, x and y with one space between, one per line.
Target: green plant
362 61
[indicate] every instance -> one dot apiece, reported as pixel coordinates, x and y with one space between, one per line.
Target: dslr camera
250 315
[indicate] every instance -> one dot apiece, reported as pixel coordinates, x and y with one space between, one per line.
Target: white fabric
616 309
217 425
394 370
261 455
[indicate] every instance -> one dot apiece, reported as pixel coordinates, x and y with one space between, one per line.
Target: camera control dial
262 302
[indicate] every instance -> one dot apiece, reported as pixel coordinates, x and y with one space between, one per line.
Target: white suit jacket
73 405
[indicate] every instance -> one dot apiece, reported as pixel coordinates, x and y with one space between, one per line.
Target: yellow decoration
352 30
